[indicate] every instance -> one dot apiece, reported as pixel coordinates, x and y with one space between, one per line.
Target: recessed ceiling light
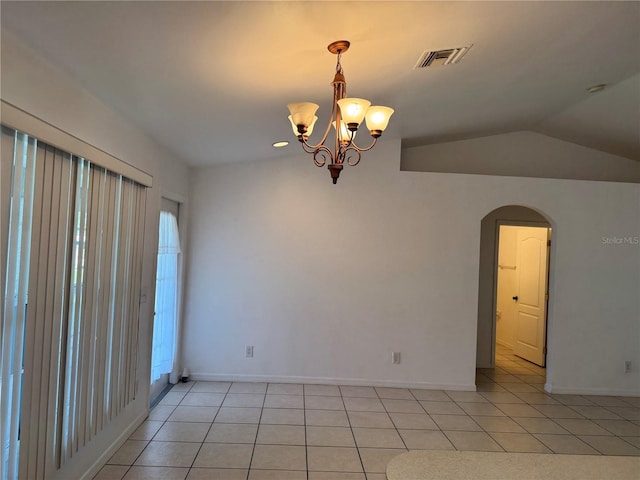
597 88
280 144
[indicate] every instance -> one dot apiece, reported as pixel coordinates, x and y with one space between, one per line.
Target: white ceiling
210 80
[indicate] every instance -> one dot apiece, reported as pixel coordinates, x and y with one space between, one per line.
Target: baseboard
117 443
504 344
550 388
224 377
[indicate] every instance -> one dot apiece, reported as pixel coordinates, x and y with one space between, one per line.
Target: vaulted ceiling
210 80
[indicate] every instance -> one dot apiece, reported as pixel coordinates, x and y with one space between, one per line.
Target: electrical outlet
627 366
248 351
395 358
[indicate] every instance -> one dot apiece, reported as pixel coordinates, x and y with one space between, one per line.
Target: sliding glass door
165 323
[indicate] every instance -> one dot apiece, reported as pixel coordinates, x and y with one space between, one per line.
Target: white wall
37 87
326 281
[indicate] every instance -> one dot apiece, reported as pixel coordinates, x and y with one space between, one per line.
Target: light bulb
345 135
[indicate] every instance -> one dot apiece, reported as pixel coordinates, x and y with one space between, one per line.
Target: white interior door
531 320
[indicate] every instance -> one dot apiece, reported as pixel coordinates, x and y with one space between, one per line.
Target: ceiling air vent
438 58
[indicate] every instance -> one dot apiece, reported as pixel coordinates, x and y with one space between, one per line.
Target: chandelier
346 116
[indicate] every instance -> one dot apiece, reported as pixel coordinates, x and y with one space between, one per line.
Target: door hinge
548 243
546 297
544 351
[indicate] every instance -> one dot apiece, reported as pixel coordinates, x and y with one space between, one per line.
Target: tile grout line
304 414
380 399
255 441
149 441
208 430
355 444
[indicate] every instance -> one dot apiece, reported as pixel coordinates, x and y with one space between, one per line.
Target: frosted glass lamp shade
353 111
378 119
309 128
302 113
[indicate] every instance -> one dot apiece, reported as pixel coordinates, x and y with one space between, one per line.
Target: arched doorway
510 216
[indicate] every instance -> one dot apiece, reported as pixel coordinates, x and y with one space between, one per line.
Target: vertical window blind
70 304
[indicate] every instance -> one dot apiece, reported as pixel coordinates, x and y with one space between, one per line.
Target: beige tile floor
260 431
